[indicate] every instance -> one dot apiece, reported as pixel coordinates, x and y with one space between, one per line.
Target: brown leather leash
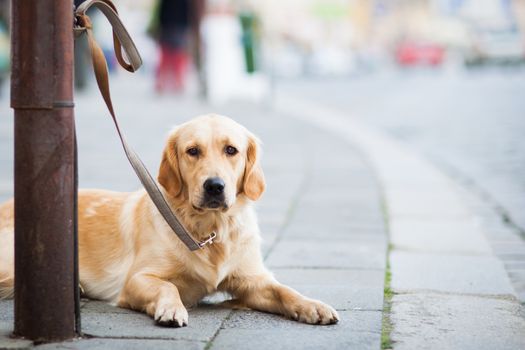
122 40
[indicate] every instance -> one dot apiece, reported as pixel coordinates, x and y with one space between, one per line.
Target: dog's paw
171 315
314 312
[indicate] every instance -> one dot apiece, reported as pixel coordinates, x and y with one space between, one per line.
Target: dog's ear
169 173
254 184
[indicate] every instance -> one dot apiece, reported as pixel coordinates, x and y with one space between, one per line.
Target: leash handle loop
121 37
122 40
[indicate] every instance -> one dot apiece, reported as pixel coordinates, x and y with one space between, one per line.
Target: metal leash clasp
208 240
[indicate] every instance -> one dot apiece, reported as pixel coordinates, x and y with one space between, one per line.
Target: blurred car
410 53
496 46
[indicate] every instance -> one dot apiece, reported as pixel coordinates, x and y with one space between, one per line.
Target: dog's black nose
214 186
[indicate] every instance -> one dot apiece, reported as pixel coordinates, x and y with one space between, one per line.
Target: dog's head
210 161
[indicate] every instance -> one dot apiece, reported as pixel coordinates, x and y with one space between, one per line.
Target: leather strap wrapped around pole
121 37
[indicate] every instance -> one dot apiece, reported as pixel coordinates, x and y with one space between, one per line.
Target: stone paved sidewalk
449 287
321 218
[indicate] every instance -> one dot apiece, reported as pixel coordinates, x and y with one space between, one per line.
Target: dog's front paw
314 312
171 315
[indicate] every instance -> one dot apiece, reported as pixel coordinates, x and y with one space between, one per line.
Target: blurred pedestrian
171 27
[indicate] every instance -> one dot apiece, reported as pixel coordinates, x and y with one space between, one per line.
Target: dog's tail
7 286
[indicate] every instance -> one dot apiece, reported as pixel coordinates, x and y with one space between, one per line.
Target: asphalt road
472 123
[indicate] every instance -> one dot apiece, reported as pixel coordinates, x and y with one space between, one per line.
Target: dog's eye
230 150
193 151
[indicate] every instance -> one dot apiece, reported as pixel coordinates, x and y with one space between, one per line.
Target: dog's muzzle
213 193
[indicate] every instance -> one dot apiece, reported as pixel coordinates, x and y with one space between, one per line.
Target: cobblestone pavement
321 218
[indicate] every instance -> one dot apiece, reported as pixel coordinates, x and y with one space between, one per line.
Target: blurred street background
447 76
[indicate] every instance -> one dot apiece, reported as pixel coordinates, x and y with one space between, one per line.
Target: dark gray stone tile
203 323
330 253
331 231
100 307
6 310
449 273
9 342
342 289
433 321
263 331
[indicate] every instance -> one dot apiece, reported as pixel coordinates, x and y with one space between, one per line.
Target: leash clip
208 240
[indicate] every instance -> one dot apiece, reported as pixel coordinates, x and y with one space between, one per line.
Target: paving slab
263 331
299 228
101 307
289 340
434 321
449 273
509 248
446 236
6 328
330 253
6 310
203 324
437 203
305 231
343 182
8 342
346 214
357 321
342 289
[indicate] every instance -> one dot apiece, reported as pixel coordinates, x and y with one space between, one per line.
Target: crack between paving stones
296 198
483 195
387 325
433 252
209 344
507 297
359 310
86 336
385 332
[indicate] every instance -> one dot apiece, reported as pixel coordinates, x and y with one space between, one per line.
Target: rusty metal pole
42 97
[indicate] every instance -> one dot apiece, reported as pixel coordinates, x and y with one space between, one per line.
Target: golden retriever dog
210 174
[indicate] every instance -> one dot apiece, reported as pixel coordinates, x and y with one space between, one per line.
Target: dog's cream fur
129 256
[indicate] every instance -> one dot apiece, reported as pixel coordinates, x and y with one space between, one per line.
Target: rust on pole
42 95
